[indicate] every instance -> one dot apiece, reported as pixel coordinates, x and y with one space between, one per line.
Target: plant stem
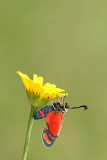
28 132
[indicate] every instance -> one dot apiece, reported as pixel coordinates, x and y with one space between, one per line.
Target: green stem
28 132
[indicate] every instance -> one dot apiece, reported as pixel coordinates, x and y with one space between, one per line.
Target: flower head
39 94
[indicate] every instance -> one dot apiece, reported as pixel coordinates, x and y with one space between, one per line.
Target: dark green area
66 43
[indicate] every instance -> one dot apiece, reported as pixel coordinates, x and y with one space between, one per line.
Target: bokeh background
66 43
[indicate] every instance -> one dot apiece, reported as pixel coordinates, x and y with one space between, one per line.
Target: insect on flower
54 114
39 95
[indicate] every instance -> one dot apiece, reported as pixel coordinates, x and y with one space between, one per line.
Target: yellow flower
39 94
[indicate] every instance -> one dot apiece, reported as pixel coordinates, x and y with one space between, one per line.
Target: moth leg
63 100
53 105
59 101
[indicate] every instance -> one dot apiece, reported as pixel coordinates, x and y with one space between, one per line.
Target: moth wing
47 138
51 131
54 121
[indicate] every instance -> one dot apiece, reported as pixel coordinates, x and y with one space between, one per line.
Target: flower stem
28 132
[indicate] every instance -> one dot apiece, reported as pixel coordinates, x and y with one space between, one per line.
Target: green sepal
35 100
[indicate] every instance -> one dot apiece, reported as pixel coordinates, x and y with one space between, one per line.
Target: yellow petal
22 75
35 78
41 80
49 86
35 88
24 78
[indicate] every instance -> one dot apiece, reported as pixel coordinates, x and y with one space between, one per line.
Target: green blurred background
66 43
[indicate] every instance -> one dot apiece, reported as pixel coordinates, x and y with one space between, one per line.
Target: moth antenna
83 106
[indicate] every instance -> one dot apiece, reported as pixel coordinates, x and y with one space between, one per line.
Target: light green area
66 43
